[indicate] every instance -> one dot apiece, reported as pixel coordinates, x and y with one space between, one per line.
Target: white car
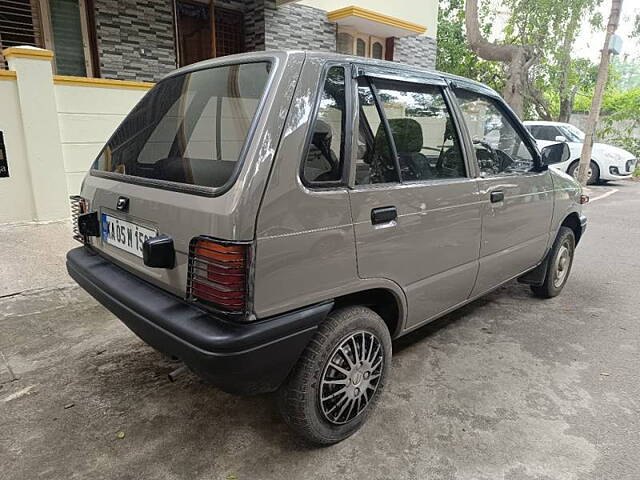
607 162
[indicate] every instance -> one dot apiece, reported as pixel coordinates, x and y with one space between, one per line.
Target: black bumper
239 358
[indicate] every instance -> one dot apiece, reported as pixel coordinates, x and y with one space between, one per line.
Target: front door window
500 149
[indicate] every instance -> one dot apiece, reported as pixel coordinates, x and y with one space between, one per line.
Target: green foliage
547 27
455 56
621 118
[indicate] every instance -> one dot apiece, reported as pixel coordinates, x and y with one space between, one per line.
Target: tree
601 82
454 55
518 58
535 51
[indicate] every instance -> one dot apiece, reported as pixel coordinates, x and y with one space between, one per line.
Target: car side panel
305 249
515 232
566 197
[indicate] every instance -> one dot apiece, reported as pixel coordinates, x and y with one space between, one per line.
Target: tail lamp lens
218 274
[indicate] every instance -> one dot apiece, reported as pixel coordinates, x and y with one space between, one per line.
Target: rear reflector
218 274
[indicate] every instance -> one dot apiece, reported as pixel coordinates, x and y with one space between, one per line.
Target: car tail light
219 274
79 206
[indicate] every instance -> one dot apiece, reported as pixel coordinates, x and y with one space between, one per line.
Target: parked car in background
275 219
607 161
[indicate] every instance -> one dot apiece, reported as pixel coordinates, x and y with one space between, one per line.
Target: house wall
297 26
423 12
53 128
87 116
135 39
16 198
417 50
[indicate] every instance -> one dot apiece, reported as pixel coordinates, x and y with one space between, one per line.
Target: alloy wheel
351 377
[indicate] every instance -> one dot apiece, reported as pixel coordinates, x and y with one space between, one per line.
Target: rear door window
325 156
189 129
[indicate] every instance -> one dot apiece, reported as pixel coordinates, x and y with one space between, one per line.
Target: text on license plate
125 235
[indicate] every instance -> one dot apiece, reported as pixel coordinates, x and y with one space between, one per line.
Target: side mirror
561 138
555 153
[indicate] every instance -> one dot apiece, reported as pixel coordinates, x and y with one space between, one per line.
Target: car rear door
191 160
415 204
516 196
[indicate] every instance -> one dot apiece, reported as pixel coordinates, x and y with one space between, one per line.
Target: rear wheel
339 377
593 174
559 266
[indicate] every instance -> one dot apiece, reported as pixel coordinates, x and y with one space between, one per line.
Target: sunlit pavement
508 387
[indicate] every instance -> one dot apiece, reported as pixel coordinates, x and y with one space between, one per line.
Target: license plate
124 235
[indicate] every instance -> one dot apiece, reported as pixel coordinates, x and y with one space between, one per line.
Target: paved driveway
508 387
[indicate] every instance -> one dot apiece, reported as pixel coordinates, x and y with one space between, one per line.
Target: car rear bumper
240 358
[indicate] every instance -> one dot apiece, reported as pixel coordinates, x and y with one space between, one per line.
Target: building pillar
43 146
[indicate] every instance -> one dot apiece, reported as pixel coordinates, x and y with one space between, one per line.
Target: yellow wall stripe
354 11
8 75
100 82
21 52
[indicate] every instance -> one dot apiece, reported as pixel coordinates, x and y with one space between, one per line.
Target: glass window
573 134
376 50
361 48
189 128
374 161
423 131
544 132
67 37
325 156
500 149
345 43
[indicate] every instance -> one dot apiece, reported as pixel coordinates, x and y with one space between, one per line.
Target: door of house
205 32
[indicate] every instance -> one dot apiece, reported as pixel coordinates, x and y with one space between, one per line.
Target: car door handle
497 196
383 215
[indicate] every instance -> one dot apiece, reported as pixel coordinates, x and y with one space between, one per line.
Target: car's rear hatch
191 159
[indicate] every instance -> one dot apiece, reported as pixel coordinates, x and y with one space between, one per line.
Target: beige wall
87 117
53 129
16 201
422 12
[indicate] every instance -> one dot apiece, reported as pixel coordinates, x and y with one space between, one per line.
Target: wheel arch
384 301
572 221
577 160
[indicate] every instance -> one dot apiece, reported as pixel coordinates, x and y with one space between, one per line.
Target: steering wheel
443 159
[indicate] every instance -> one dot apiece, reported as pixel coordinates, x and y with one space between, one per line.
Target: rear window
189 129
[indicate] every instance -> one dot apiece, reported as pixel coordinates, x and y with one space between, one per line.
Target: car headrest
407 134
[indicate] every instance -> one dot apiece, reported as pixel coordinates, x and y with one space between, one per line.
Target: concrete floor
509 387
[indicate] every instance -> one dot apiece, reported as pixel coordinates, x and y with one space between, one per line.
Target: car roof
410 70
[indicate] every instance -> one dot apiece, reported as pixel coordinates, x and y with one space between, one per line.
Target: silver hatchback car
276 219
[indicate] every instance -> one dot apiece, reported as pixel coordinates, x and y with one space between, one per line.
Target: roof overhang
374 23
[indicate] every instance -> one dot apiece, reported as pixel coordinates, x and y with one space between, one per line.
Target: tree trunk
596 103
565 93
515 56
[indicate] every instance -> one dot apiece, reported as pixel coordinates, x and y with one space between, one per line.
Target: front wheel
559 266
593 173
339 377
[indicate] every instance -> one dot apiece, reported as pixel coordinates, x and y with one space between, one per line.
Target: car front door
517 197
415 205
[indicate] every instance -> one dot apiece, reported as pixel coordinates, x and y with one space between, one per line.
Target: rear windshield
189 129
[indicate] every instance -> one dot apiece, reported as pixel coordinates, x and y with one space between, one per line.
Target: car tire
346 363
594 177
558 266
